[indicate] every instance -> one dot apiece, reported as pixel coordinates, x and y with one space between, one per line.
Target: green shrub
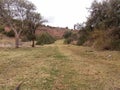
81 40
10 33
70 37
115 45
1 29
67 41
30 36
45 38
83 36
67 34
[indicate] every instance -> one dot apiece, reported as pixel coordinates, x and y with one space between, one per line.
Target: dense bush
67 41
104 25
81 40
31 37
78 38
115 45
70 37
1 29
114 33
45 38
67 34
83 36
10 33
24 39
104 15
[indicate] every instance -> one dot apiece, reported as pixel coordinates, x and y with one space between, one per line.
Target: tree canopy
19 15
105 14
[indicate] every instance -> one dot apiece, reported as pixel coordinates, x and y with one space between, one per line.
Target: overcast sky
63 13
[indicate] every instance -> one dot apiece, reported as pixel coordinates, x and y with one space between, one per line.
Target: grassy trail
59 67
97 70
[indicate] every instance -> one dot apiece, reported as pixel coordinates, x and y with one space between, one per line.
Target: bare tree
14 14
78 26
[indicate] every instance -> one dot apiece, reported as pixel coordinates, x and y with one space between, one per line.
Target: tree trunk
33 43
16 41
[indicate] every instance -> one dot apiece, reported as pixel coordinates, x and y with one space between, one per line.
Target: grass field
59 67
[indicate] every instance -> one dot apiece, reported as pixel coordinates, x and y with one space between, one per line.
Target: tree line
21 17
102 28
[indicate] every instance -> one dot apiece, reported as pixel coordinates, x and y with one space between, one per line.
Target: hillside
56 32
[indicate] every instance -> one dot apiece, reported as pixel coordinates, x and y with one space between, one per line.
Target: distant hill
56 32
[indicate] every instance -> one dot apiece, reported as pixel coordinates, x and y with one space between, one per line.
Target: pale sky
63 13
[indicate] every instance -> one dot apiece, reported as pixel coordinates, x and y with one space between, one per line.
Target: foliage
79 26
34 20
78 38
9 34
104 25
83 36
115 45
114 33
28 37
14 14
67 41
69 37
81 40
67 34
24 39
1 29
103 15
45 38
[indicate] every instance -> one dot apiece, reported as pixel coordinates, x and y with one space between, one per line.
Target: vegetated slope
59 67
56 32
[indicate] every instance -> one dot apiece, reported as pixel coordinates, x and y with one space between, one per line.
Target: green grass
59 67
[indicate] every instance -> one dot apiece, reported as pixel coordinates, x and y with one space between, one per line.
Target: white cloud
63 13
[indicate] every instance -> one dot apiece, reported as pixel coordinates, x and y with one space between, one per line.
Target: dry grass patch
97 70
59 67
